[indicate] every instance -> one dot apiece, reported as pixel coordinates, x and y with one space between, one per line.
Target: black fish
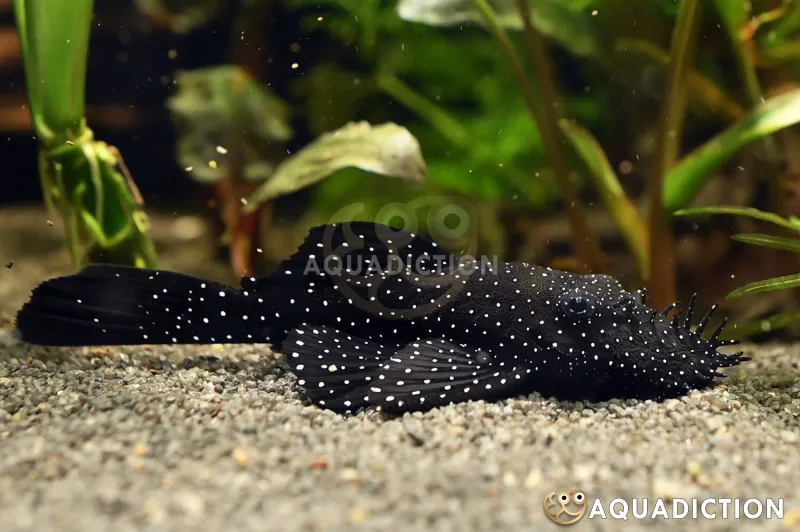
371 316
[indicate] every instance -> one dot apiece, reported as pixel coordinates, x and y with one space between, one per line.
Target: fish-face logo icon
566 507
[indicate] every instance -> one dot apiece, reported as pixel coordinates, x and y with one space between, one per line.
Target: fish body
369 316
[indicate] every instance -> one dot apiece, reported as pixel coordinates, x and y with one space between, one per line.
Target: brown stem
662 280
248 51
584 239
585 242
241 247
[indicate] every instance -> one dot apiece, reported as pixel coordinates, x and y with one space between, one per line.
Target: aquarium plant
83 179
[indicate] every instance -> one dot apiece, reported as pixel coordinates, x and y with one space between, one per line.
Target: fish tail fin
119 305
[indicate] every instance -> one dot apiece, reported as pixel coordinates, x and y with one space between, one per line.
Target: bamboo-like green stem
55 45
543 111
85 180
662 279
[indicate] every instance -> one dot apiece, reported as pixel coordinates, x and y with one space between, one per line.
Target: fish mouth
689 359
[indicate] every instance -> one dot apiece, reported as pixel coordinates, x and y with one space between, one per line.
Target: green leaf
607 183
568 21
733 13
387 149
769 241
88 184
217 106
749 212
768 285
770 324
637 55
785 29
688 177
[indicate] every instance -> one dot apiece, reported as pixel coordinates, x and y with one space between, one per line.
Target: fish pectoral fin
334 369
437 371
345 373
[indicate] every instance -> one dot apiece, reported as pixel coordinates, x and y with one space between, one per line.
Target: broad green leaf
767 285
605 179
387 149
568 21
769 241
688 177
749 212
221 106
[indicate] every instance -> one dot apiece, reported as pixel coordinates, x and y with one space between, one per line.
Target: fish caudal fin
120 305
346 374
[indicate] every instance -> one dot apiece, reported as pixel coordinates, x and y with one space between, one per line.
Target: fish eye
578 307
578 497
483 357
563 498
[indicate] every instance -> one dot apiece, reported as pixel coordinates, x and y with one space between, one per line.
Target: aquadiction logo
569 507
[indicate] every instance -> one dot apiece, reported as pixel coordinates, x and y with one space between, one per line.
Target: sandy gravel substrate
209 438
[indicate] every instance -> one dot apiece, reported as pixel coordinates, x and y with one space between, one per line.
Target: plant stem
662 279
755 96
84 179
451 129
55 47
701 88
585 242
249 52
617 202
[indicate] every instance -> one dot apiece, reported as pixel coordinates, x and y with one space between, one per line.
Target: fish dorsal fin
356 247
374 243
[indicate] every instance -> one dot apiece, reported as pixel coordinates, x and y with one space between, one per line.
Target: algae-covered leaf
769 241
568 21
387 149
222 108
748 212
767 285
